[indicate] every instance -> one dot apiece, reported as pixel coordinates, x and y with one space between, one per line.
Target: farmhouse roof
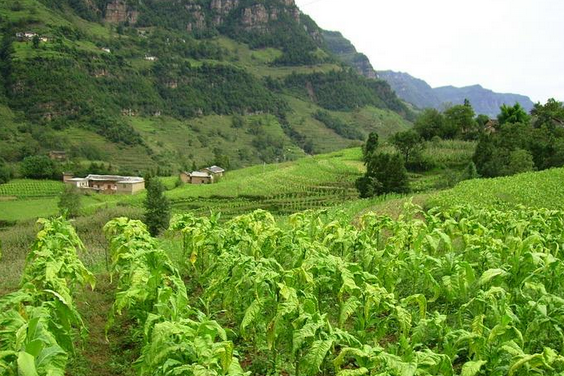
199 174
216 169
116 178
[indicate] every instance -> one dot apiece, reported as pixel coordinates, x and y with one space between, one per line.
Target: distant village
118 184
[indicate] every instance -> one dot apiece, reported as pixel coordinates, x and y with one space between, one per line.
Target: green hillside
146 84
310 182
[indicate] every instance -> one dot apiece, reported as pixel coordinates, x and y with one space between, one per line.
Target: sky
509 46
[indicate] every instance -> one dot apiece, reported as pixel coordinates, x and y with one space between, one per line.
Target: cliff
346 51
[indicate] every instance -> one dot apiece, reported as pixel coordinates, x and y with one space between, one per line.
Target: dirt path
98 356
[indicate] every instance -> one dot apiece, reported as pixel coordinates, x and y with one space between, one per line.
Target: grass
18 210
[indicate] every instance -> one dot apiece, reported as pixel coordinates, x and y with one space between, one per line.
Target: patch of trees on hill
514 142
346 91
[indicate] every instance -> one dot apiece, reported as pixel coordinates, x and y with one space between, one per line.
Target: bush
5 173
385 173
70 202
40 167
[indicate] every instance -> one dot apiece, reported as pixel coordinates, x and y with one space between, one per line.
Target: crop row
38 322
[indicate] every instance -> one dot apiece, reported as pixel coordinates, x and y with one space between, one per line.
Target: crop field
309 183
457 291
542 189
28 188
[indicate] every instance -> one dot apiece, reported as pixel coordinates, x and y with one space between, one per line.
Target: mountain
141 84
422 95
346 51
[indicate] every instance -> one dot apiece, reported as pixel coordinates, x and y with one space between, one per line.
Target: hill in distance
146 84
422 95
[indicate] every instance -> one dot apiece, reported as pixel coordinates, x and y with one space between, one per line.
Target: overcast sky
510 46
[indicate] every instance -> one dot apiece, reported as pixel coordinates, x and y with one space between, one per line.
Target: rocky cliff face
203 15
422 95
345 51
118 11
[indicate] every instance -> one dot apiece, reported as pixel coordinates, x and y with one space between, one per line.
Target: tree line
514 142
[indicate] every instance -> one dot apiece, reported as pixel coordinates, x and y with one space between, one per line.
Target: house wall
104 186
185 178
130 188
197 180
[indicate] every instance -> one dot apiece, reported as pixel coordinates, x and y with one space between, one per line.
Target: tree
385 173
237 121
550 115
35 41
40 167
460 121
70 201
5 172
370 145
513 114
430 123
519 161
157 207
470 172
407 143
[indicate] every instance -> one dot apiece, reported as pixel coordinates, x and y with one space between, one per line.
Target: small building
81 183
106 50
196 177
58 155
215 171
491 126
107 184
150 58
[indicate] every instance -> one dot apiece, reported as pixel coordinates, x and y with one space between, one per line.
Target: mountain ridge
421 94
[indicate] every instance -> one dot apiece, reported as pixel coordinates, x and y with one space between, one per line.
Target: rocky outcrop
221 8
118 11
345 51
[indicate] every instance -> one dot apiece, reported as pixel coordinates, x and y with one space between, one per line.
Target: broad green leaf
26 365
472 368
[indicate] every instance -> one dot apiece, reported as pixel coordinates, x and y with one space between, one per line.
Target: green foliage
460 122
70 202
219 89
431 123
513 114
370 146
346 90
38 322
531 189
408 143
177 339
5 172
340 127
427 294
157 207
513 145
550 115
40 167
470 172
385 173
